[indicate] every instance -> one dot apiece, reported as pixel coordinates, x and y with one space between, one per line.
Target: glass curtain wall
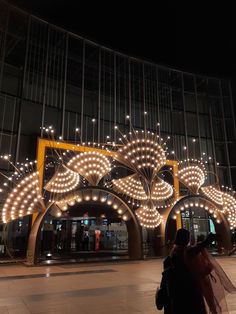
49 76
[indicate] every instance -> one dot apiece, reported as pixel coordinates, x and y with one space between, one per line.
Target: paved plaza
124 287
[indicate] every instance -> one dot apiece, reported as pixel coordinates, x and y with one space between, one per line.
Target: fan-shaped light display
229 207
148 216
63 181
161 190
192 177
143 154
130 186
24 199
213 194
91 165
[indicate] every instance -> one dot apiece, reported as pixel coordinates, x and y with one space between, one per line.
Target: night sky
190 37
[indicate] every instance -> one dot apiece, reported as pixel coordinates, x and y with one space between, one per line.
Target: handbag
160 298
164 292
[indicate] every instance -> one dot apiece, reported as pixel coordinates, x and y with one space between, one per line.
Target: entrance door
199 223
85 232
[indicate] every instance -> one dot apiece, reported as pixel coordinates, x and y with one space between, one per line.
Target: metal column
82 95
64 88
185 120
99 94
22 92
225 134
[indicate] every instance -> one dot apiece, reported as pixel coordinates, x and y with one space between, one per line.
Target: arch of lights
142 153
96 195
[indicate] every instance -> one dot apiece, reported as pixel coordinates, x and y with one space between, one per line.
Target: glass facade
49 76
84 232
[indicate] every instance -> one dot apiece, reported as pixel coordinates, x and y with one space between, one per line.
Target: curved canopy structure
63 181
143 154
229 208
148 216
93 166
192 176
24 199
161 190
130 186
214 194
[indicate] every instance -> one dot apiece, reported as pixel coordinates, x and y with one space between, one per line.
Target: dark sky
191 37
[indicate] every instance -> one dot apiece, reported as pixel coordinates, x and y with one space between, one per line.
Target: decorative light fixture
161 190
130 186
192 176
213 194
143 154
148 216
93 166
229 207
194 202
24 199
63 181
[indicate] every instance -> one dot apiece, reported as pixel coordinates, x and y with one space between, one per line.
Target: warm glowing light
148 216
24 199
213 194
91 165
130 186
63 181
161 190
143 154
229 207
192 176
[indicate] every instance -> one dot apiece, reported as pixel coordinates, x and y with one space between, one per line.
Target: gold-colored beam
43 144
174 165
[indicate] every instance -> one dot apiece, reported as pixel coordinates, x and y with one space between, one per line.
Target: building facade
49 76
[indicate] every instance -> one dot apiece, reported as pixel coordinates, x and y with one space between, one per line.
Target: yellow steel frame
44 143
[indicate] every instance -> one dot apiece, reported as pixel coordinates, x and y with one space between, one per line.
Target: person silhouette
192 278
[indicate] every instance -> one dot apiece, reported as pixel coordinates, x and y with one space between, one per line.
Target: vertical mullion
213 141
197 109
144 96
64 87
185 120
22 93
129 79
114 69
99 94
225 134
45 83
4 46
82 94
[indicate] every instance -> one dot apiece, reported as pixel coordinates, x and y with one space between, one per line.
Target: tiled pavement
124 287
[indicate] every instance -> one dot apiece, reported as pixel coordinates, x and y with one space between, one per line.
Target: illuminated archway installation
142 153
200 202
89 195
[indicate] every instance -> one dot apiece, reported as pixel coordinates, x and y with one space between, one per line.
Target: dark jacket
184 296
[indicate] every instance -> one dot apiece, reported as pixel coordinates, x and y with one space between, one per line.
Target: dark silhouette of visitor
86 240
192 281
79 237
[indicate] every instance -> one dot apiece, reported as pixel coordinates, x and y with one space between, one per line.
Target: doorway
85 232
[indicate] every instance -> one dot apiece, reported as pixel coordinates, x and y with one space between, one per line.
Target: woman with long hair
192 281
